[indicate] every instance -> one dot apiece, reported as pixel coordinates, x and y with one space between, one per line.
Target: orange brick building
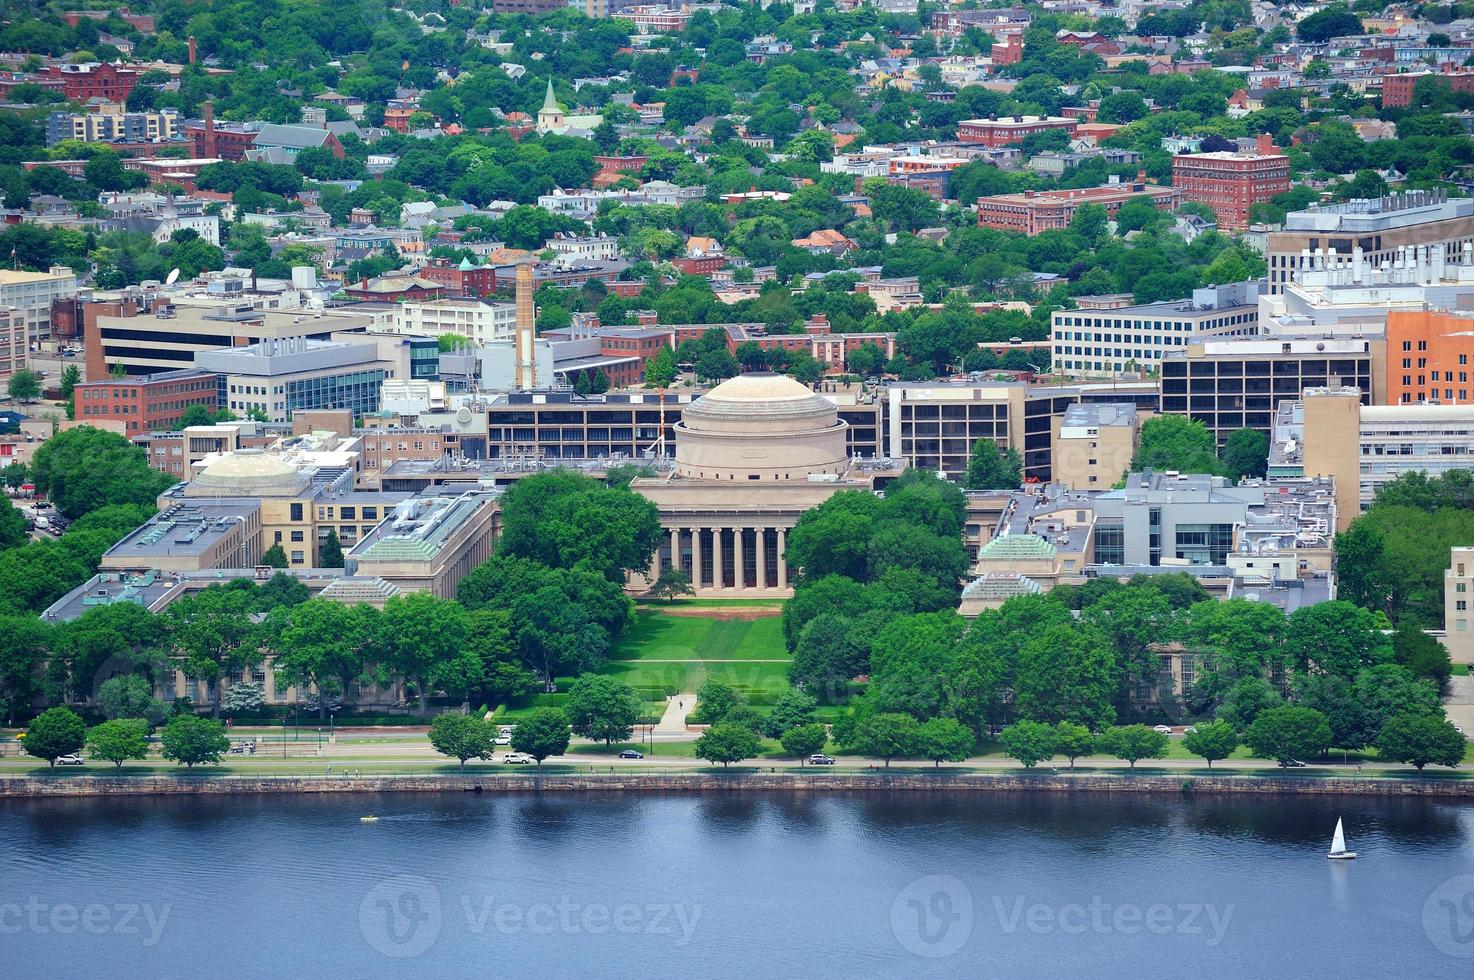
1429 356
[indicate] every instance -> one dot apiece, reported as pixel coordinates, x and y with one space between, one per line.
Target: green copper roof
1017 546
550 102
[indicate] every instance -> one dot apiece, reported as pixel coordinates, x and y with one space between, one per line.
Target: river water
763 886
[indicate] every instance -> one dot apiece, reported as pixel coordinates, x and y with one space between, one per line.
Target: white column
696 577
782 558
654 565
739 566
718 577
762 557
675 548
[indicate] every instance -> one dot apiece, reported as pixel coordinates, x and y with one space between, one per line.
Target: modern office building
1458 594
1034 211
1381 227
1339 295
478 321
13 343
1231 183
1136 338
276 378
169 336
1232 384
1428 357
145 403
33 293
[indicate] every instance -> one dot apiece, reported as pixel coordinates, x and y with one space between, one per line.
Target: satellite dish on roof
172 278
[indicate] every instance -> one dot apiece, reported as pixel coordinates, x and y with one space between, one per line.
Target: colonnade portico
718 557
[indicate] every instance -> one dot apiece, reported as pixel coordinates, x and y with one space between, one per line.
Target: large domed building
751 455
764 427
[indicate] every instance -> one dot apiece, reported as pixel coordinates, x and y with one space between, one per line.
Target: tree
190 739
25 386
1073 741
563 520
274 557
1422 655
1067 673
660 369
130 696
1246 453
422 638
804 740
119 740
1212 740
793 709
84 469
944 740
1288 733
1245 700
727 744
603 709
1328 22
991 468
330 555
54 733
24 645
1175 442
13 529
1337 638
542 733
243 698
1421 739
889 735
1133 742
1030 742
673 581
462 737
714 700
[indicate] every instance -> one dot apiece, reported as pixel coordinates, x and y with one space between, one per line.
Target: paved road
1459 705
673 722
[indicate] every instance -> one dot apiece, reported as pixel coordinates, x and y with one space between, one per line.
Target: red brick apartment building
1035 211
149 402
464 279
1397 90
95 81
1011 129
1232 183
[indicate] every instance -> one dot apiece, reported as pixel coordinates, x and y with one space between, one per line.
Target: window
296 512
297 537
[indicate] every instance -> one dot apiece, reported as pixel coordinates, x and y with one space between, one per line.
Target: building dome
249 473
760 427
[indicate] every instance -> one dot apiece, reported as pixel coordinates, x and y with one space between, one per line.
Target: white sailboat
1338 845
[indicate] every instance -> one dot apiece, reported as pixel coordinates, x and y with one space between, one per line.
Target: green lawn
662 654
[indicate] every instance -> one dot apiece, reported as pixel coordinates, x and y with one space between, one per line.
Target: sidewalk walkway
673 722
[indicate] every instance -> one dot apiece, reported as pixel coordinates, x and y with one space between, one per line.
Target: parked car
518 759
70 760
1291 764
1164 729
504 739
1189 729
632 754
820 759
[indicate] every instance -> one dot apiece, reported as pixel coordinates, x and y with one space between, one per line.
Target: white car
517 759
70 760
1164 729
504 739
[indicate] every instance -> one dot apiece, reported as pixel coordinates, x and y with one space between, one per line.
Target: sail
1338 843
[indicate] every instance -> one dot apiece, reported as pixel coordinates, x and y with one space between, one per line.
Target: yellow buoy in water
368 819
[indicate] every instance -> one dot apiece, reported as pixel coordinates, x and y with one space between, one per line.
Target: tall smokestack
209 130
191 49
526 325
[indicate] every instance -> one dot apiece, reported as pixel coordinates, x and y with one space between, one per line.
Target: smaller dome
760 395
250 470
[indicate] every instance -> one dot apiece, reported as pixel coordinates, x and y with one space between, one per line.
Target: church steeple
550 116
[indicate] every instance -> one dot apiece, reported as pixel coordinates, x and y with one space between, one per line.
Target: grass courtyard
664 654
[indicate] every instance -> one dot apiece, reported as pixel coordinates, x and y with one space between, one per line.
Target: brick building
463 279
1428 357
1035 211
147 402
1232 183
95 80
1011 129
1397 90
